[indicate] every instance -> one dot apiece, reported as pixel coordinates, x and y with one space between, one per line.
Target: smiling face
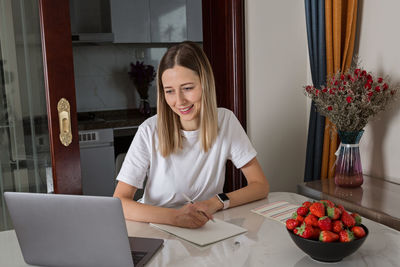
182 91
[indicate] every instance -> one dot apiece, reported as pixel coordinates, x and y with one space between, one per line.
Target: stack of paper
279 210
210 233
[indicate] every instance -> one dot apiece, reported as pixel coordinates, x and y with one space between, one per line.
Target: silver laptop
71 230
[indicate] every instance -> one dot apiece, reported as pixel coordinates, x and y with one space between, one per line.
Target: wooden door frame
224 44
59 83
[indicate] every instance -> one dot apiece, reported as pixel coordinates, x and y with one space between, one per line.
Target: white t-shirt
191 171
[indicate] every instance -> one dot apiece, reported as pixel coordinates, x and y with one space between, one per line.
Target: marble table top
266 243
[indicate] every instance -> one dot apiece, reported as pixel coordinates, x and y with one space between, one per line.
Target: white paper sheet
210 233
279 211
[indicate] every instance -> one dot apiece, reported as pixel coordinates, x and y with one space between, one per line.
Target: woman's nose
180 99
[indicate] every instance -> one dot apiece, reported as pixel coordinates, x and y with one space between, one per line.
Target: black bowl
328 252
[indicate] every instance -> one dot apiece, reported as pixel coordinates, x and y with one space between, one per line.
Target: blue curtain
315 21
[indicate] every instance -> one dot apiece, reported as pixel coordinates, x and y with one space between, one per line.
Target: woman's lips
186 110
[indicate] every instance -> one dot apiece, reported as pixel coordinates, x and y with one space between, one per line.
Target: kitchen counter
266 243
111 119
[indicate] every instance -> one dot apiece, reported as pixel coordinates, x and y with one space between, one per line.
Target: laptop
71 230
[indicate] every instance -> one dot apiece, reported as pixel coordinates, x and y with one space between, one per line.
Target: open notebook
210 233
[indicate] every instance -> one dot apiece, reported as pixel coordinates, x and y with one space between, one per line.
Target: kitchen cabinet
156 21
130 20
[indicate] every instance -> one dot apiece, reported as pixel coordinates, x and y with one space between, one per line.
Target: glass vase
348 172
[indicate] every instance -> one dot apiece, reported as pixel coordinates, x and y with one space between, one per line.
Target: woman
183 149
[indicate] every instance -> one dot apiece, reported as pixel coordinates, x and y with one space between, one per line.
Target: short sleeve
241 150
137 160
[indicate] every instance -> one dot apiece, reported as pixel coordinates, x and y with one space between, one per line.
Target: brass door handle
64 116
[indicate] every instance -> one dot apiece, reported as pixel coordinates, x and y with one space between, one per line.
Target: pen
191 201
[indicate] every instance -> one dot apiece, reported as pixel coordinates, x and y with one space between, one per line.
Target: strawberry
340 207
327 203
346 236
317 232
325 224
328 236
305 231
347 219
307 204
358 231
356 217
337 226
333 213
318 209
297 217
302 211
312 220
291 224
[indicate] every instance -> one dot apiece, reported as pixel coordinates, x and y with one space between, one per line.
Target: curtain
340 19
315 23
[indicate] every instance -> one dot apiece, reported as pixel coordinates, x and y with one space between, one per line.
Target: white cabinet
168 21
156 21
194 22
130 21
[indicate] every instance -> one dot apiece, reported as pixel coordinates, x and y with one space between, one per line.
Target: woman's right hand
191 216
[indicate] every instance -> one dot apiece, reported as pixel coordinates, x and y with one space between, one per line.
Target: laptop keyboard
137 256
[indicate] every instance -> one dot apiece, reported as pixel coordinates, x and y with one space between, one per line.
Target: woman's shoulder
150 124
225 115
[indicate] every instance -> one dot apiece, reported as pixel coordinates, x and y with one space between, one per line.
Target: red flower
342 77
370 93
369 77
336 83
324 90
344 82
330 108
349 99
308 88
331 91
367 85
357 71
316 92
363 73
380 80
385 86
378 88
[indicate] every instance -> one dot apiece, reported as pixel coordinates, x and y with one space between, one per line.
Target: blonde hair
191 56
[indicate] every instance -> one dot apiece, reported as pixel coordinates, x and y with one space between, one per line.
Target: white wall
276 55
379 44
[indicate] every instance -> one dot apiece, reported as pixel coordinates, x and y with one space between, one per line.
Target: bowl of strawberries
325 231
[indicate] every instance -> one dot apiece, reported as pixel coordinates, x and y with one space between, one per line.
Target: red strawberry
340 207
302 211
325 224
347 219
297 217
346 236
318 209
328 236
307 204
358 231
317 231
305 231
356 217
337 226
291 224
312 220
333 213
327 203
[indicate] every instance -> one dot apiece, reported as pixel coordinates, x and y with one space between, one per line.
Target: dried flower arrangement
350 99
142 76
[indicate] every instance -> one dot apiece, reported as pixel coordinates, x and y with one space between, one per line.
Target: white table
265 244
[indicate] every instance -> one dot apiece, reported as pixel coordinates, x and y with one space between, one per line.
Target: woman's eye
168 91
187 88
